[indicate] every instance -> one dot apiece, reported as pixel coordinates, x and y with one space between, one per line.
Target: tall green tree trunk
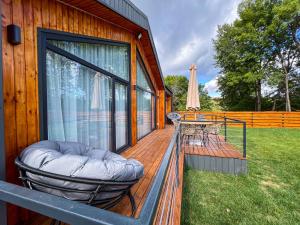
287 93
258 96
274 105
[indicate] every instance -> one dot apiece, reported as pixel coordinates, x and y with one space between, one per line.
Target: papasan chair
78 172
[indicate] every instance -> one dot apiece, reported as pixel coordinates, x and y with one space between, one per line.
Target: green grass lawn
268 194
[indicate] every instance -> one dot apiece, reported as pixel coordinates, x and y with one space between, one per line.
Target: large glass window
144 113
87 93
121 115
78 103
145 102
113 59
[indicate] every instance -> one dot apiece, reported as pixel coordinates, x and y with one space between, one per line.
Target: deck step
216 164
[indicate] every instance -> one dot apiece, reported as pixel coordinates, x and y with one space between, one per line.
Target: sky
183 31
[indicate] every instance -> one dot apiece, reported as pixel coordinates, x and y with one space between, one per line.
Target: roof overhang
168 91
125 14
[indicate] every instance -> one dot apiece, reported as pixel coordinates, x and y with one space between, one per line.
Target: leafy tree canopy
260 47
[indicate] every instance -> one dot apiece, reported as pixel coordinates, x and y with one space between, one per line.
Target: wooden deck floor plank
152 173
213 149
149 151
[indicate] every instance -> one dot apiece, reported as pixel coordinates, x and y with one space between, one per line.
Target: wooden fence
256 119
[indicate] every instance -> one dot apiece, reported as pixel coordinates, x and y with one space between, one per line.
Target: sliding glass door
78 103
87 91
145 102
121 115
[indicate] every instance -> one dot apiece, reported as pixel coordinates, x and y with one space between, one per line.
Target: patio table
198 125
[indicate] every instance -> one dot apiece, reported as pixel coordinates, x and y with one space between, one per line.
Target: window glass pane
153 111
121 115
143 113
142 77
111 58
78 103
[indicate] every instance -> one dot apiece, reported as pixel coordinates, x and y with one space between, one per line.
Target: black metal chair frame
216 135
121 187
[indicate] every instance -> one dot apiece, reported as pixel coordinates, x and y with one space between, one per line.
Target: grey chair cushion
78 160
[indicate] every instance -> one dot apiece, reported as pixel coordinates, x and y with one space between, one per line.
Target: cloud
212 87
183 32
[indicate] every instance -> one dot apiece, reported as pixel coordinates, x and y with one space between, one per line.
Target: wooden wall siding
20 68
133 94
259 119
168 104
161 101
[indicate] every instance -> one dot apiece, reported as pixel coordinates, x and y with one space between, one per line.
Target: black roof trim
168 91
128 10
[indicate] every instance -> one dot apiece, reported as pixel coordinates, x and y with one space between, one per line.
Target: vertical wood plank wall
20 70
168 104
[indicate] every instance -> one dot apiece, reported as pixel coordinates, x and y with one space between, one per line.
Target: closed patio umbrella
193 102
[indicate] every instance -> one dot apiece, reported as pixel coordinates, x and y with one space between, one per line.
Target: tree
260 44
281 36
179 87
206 102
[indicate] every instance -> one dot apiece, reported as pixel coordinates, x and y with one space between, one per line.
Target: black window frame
139 60
44 35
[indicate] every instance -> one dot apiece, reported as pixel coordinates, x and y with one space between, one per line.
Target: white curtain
143 113
145 106
71 87
141 77
121 115
114 59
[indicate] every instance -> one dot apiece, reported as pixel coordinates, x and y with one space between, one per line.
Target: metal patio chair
214 131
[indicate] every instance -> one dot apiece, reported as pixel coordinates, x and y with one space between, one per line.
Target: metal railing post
244 140
225 127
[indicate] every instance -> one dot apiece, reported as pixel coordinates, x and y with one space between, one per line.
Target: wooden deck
212 149
149 151
221 157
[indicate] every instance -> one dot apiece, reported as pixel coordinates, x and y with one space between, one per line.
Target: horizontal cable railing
76 213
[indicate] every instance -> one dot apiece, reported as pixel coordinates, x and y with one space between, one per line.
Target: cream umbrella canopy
193 102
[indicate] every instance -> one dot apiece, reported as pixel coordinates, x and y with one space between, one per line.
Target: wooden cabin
87 71
70 70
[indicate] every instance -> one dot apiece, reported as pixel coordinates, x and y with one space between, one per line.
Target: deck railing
233 130
156 208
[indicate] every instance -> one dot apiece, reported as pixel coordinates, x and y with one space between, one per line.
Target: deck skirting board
216 164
